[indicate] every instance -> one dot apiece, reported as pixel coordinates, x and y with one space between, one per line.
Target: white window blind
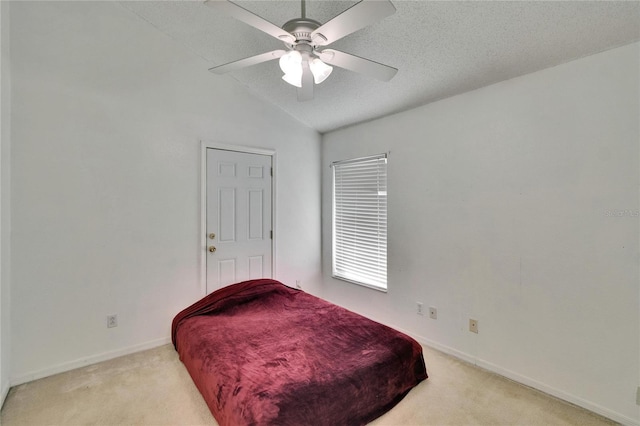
360 221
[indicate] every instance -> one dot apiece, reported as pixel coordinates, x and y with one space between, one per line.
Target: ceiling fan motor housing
301 29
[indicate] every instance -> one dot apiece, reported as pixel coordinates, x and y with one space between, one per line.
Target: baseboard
603 411
82 362
4 391
527 381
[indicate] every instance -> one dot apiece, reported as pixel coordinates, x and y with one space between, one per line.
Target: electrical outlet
112 321
419 308
433 313
473 326
298 285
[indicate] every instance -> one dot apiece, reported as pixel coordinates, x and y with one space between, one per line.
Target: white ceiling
441 48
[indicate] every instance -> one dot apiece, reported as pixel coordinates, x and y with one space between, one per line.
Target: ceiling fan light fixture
320 70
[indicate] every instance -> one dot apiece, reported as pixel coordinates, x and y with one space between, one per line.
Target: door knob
212 249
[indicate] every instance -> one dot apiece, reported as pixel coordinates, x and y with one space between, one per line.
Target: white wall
5 213
499 204
107 118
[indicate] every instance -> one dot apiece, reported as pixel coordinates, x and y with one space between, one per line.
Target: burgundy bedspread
262 353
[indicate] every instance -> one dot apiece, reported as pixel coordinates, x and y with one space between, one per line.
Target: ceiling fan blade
250 18
247 62
305 93
358 64
358 16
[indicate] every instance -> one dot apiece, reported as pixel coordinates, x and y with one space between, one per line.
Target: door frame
204 145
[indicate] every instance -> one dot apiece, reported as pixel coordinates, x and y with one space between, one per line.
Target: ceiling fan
304 62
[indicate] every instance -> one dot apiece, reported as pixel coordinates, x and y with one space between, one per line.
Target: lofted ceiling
441 48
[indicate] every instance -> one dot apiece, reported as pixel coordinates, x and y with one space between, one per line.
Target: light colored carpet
154 388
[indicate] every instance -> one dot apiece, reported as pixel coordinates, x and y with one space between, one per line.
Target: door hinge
271 234
271 171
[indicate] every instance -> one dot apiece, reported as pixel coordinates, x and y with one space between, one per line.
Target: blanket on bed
262 353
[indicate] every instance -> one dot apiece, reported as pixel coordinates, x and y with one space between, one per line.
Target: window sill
372 287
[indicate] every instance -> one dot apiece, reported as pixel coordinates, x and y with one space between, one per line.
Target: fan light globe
291 65
291 62
320 70
294 78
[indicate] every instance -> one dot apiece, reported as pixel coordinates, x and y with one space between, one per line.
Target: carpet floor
154 388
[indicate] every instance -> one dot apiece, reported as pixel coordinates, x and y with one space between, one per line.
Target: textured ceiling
441 48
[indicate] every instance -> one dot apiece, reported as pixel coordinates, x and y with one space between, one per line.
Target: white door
239 210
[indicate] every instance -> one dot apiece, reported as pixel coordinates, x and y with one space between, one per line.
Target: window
360 221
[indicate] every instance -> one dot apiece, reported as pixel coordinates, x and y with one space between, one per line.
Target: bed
262 353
